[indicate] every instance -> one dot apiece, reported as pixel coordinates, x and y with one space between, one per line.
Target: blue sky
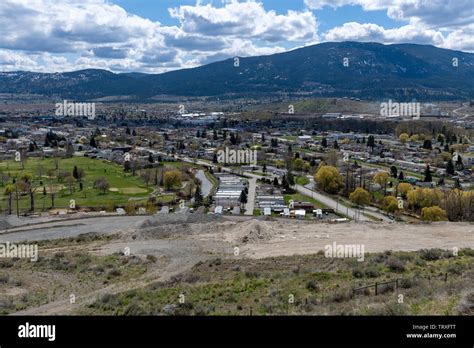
157 36
329 17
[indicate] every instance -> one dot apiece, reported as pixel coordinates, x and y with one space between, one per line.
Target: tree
371 142
404 188
332 158
172 179
433 213
324 143
102 184
243 198
360 197
9 190
450 167
329 179
198 198
390 204
70 182
393 171
427 144
459 163
404 138
69 150
381 178
75 173
298 164
428 177
93 142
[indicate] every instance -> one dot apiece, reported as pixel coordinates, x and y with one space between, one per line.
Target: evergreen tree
324 143
371 142
428 177
75 173
93 143
393 171
243 197
198 199
450 167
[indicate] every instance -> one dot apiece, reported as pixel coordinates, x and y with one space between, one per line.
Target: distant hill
375 71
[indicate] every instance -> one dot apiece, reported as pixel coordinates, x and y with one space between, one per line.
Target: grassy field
432 282
123 186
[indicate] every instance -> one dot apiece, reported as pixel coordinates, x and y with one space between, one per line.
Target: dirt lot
259 239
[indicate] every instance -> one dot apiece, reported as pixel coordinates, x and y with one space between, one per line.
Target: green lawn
302 180
123 186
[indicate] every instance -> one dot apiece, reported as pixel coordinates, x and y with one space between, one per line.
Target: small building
300 214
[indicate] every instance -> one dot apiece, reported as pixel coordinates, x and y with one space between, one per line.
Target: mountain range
364 70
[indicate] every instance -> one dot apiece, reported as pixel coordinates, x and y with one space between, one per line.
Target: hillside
375 71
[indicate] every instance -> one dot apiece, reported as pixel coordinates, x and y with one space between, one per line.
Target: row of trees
432 204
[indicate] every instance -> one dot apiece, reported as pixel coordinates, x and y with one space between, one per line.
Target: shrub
151 258
431 254
372 272
357 273
384 288
312 286
395 265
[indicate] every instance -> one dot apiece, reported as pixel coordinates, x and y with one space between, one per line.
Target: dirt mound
182 218
253 231
172 225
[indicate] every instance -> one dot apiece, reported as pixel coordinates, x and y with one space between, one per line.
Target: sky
155 36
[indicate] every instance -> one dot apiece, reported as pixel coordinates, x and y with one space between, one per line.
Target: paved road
250 206
206 185
66 229
370 210
462 115
331 203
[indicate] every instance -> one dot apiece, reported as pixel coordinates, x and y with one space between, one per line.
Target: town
130 160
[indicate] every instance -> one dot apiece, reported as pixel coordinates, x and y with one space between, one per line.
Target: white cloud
99 34
246 20
434 13
373 32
